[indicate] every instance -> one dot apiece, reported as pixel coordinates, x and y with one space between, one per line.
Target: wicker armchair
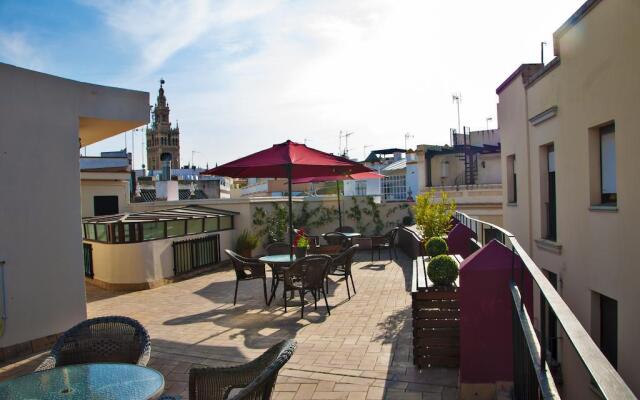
337 238
251 381
247 269
388 241
113 339
331 250
341 266
345 229
276 248
307 274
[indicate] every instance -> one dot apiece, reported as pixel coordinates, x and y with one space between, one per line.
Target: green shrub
442 270
247 241
433 213
436 246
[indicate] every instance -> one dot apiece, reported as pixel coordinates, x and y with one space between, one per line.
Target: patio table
86 381
350 235
276 262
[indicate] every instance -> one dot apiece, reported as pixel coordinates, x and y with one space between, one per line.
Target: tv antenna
364 150
457 98
407 136
345 135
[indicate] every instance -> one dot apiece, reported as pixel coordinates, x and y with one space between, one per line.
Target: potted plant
442 270
300 244
436 246
433 214
245 243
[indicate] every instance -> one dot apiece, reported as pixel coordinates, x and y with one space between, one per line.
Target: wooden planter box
436 321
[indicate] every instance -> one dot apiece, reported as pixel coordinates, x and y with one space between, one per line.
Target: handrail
602 372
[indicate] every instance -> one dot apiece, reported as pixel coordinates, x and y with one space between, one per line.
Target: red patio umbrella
357 177
288 160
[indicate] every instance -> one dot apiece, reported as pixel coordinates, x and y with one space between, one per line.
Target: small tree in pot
436 246
246 243
433 215
300 244
442 270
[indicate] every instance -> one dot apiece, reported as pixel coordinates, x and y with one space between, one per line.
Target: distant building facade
105 183
162 138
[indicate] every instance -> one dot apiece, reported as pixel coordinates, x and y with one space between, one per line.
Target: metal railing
532 376
87 259
192 254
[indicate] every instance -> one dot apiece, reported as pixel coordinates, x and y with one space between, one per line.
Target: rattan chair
276 248
247 269
251 381
341 266
331 250
388 241
112 339
307 274
345 229
337 238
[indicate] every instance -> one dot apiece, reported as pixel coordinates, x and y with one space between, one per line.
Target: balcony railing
532 376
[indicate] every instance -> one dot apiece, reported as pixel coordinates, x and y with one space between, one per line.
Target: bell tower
162 137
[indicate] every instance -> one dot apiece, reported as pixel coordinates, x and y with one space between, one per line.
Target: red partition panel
486 345
459 240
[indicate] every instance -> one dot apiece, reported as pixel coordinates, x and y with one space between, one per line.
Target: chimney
166 189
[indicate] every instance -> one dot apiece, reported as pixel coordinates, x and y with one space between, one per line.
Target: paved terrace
362 351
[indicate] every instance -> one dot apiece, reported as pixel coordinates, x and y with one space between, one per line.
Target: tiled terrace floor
361 351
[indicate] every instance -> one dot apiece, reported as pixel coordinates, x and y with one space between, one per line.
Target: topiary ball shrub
436 246
442 270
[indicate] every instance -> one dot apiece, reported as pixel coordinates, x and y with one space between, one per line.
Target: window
608 190
101 232
394 187
194 226
361 188
89 232
548 191
552 321
211 224
105 205
607 327
153 230
226 222
176 228
512 181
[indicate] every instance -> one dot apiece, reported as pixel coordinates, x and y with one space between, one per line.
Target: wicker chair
276 248
345 229
113 339
337 238
251 381
341 266
307 274
326 249
388 241
247 269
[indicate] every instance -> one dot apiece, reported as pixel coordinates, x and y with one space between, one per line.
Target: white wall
40 235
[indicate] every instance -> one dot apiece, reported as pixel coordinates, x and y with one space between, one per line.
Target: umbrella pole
339 205
290 167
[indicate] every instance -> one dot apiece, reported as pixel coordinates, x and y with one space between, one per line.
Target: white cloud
15 48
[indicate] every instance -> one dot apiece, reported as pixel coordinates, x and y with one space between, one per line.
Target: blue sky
242 75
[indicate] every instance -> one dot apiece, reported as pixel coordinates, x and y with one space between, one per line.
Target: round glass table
277 259
86 381
350 235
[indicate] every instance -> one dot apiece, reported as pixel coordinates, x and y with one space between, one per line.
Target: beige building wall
594 82
43 119
103 184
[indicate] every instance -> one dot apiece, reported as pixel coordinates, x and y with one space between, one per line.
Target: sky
242 75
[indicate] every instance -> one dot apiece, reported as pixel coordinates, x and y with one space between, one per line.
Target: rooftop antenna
192 153
457 98
542 44
407 136
345 135
489 119
364 150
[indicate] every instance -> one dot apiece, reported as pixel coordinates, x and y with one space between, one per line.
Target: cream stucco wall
597 81
92 185
143 262
43 117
